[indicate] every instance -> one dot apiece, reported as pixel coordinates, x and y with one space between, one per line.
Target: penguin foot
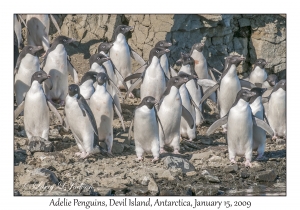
155 160
162 151
176 152
84 155
261 158
274 138
62 103
232 160
224 131
248 164
110 154
78 153
131 95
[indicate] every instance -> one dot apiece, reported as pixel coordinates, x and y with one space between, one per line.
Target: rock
201 156
152 187
266 176
19 156
176 162
280 141
210 190
167 174
146 180
48 174
244 174
38 144
205 172
191 173
244 22
206 141
231 169
212 179
117 148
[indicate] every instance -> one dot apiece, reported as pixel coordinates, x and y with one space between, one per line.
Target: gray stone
212 179
280 141
117 148
207 141
218 40
244 22
38 144
244 174
266 176
208 190
231 169
176 162
152 187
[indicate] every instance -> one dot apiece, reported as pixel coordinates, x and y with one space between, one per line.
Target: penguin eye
122 28
189 59
30 48
259 61
176 80
98 58
161 44
75 89
157 51
39 75
64 40
103 46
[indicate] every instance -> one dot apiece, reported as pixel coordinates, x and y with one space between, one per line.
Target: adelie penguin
97 65
27 64
57 65
257 108
170 112
38 30
36 108
146 133
277 109
258 74
80 119
240 121
153 79
121 52
228 86
103 106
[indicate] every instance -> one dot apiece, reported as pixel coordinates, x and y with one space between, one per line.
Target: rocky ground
203 168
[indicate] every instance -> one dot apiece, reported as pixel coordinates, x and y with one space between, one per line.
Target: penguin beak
179 62
169 44
48 76
167 50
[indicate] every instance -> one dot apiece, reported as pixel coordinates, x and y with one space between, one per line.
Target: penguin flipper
188 117
141 69
54 110
119 114
119 75
19 109
159 122
73 72
173 73
133 76
136 56
133 86
208 92
55 23
115 87
247 84
86 110
217 124
215 70
262 124
20 17
206 82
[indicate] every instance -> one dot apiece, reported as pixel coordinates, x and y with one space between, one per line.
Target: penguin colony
171 101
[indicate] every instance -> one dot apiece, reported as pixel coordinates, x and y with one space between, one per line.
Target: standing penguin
153 79
80 119
228 86
38 30
27 64
170 112
102 105
97 65
163 60
120 54
258 74
146 133
36 108
57 65
257 108
201 66
240 122
277 109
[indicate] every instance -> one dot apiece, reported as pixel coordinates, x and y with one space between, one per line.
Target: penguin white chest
120 55
258 75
